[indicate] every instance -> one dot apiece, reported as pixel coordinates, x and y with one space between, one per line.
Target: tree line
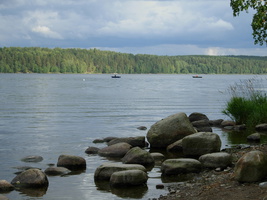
58 60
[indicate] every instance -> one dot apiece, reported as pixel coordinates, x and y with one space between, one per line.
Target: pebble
227 169
263 185
172 191
218 169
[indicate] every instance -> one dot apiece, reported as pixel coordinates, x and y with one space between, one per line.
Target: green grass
248 105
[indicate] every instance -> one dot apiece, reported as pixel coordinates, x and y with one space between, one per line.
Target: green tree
259 21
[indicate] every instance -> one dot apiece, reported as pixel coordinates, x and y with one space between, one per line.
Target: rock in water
137 155
169 130
31 178
104 171
128 178
116 150
5 186
71 162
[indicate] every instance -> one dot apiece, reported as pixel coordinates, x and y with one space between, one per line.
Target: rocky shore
211 173
219 184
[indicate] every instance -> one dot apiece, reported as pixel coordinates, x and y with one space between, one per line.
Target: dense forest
58 60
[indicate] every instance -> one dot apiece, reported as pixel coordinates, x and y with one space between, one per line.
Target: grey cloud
124 24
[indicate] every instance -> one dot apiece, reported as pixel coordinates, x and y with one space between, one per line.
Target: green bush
248 104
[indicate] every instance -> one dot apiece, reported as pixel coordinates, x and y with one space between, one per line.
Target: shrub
248 104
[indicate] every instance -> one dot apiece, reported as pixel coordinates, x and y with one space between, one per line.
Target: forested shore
73 60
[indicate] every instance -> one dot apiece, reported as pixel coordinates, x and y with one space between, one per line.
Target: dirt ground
219 185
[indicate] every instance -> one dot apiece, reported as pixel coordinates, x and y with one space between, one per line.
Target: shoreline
214 184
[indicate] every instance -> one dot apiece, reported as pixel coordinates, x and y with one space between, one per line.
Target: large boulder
31 178
216 160
169 130
71 162
115 150
180 166
104 171
139 141
251 167
137 155
128 178
201 143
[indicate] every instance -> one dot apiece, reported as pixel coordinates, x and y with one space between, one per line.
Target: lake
54 114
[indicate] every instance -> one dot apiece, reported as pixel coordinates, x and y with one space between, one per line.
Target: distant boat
115 76
197 76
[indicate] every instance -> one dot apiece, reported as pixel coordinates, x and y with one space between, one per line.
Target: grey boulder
251 167
128 178
169 130
137 155
104 171
216 160
180 165
201 143
71 162
31 178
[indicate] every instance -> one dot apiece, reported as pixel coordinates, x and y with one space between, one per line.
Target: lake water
54 114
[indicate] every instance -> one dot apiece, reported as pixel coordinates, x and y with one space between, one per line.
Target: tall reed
248 103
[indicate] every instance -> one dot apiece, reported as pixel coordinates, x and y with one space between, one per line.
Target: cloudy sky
161 27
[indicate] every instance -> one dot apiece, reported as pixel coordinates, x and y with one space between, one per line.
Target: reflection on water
240 137
135 192
36 192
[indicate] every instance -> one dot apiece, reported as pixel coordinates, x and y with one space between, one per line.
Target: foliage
248 104
57 60
259 21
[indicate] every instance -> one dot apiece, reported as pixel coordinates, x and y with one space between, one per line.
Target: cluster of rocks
190 135
34 181
193 136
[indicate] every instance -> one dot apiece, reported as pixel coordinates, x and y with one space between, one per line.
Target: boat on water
197 76
115 76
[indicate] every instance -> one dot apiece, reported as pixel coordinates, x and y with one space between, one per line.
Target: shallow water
54 114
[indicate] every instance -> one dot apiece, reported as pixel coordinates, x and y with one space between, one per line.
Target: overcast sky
174 27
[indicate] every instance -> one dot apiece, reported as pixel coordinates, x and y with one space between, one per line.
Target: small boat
197 76
115 76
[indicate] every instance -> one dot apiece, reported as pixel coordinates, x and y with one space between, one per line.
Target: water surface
54 114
